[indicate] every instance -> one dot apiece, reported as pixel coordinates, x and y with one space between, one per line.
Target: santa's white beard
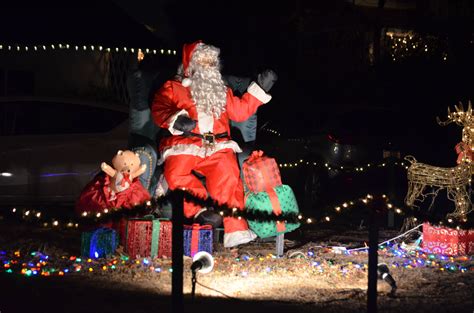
208 90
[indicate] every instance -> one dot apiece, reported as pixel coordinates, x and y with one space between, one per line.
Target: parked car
50 148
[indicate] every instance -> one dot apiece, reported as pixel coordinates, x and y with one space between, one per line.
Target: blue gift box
197 238
99 243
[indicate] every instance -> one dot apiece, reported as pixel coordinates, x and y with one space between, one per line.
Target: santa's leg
225 186
237 232
178 175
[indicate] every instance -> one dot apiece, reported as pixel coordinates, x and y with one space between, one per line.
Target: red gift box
148 238
120 226
447 241
261 173
166 234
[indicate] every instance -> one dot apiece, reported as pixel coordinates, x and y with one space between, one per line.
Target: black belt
208 137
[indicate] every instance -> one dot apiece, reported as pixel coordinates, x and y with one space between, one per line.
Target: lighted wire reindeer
456 180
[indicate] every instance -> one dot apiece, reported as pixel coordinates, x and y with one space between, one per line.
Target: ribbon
271 193
125 179
464 151
255 155
155 238
281 226
274 201
155 234
195 232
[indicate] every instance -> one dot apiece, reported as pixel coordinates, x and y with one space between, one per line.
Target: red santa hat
188 50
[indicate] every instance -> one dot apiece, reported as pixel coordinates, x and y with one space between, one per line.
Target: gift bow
255 155
197 226
125 179
464 151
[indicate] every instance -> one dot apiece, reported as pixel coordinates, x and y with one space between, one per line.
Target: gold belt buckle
209 140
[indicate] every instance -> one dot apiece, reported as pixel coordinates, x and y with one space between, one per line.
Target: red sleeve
240 109
164 105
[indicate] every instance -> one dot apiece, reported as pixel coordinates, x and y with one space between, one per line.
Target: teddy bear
125 167
116 186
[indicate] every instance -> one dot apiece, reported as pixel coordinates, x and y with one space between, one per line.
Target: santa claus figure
196 108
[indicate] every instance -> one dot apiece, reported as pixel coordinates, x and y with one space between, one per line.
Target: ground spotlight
384 274
203 262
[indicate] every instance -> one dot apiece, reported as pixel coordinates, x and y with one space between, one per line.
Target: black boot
209 217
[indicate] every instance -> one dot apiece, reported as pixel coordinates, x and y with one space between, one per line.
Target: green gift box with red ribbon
267 211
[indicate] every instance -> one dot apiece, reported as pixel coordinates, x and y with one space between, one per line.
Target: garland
379 203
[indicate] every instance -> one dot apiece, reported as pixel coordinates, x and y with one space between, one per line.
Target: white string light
402 45
62 46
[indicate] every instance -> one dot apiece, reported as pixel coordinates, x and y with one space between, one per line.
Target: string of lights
270 130
71 47
37 263
331 214
403 45
329 166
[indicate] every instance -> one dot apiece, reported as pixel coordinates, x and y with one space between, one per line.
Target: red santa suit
218 163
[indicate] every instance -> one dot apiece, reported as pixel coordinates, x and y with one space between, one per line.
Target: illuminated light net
456 180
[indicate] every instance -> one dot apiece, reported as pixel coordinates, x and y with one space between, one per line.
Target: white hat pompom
186 82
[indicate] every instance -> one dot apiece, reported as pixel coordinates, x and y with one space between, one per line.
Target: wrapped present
267 206
447 241
99 243
261 172
120 226
197 238
165 241
148 237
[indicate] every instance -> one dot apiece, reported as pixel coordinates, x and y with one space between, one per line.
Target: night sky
321 51
318 50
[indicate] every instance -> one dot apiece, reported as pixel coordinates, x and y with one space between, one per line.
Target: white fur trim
199 212
186 82
172 119
238 238
197 150
255 90
205 121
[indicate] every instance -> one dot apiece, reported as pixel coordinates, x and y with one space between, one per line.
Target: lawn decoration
455 180
447 241
267 197
125 167
99 243
117 186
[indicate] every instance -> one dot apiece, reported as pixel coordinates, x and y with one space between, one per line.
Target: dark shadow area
80 294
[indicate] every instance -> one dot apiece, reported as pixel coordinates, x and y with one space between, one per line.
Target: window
42 118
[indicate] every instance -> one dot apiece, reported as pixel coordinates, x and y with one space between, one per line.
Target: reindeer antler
459 117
